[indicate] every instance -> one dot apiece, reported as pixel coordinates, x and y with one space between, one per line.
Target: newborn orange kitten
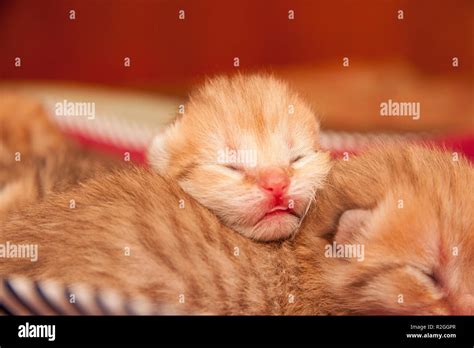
247 148
411 210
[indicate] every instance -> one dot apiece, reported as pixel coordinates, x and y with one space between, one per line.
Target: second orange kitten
247 148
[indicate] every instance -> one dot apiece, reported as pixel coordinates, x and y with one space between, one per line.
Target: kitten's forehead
269 147
441 231
254 113
252 102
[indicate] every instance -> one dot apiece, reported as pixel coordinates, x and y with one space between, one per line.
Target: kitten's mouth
276 211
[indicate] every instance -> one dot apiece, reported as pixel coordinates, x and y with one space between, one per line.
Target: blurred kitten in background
35 158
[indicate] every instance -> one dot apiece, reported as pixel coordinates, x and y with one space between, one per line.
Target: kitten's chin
272 227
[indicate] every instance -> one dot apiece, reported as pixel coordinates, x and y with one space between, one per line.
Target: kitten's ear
158 154
352 226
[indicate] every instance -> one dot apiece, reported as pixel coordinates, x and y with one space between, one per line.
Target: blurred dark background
406 57
165 49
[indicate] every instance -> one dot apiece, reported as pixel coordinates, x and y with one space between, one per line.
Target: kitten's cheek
298 205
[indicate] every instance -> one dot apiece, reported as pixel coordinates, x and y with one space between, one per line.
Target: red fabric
461 143
137 156
464 144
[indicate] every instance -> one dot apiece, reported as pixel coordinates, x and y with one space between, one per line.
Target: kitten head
418 240
247 148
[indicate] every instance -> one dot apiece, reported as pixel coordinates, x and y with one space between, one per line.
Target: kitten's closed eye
431 275
234 167
296 159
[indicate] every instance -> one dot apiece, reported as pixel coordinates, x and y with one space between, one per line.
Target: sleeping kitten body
188 259
247 148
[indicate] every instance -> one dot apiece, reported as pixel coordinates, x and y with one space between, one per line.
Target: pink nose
274 180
